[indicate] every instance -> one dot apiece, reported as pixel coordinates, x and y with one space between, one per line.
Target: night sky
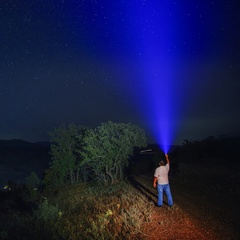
88 62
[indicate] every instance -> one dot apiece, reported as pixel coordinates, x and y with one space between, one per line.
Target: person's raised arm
168 162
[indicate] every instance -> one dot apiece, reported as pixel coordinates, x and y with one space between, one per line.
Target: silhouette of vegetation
211 149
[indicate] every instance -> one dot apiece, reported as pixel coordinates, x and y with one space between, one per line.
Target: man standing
162 183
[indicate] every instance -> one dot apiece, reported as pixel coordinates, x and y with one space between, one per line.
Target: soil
186 219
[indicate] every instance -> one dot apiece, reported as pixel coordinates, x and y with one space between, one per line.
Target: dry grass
83 212
116 212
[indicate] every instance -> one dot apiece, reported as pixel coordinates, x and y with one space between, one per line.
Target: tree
65 165
107 149
33 181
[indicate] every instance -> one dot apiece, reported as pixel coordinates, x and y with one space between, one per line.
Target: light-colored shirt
161 173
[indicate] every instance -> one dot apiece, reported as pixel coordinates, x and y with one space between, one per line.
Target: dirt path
182 221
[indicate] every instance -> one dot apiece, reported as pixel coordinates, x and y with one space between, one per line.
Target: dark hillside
19 158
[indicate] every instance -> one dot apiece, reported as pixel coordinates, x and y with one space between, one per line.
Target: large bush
108 147
80 154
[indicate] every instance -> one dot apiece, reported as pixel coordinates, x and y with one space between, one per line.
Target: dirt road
187 219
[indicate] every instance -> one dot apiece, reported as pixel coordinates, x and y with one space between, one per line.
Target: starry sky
93 61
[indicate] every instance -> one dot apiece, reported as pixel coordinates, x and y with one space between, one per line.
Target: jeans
167 190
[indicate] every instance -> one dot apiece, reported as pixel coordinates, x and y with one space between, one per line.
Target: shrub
47 212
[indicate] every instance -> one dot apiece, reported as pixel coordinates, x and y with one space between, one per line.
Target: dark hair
162 163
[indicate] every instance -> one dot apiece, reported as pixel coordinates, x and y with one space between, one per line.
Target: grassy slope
77 212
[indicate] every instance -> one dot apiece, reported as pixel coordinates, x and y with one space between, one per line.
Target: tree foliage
108 147
65 165
81 154
33 181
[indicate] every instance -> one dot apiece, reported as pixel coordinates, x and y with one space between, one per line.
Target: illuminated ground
192 217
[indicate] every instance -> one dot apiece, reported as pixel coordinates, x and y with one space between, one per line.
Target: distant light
6 187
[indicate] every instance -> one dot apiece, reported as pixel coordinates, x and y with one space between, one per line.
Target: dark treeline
25 157
211 149
225 150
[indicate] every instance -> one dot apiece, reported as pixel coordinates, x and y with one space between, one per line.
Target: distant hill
17 143
19 158
14 142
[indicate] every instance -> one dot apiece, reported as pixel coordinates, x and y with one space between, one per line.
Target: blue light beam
157 32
